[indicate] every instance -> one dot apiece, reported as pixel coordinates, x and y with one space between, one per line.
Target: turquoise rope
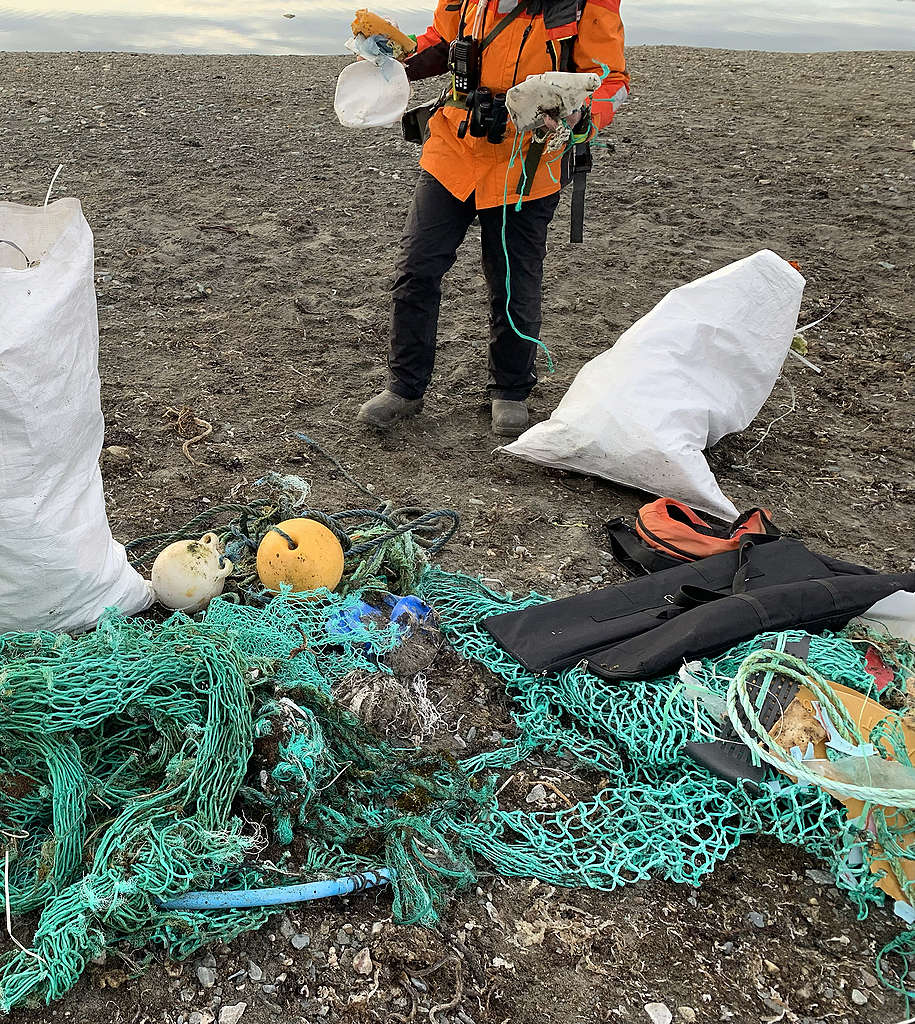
516 149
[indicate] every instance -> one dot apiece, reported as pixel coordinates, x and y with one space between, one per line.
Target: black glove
428 63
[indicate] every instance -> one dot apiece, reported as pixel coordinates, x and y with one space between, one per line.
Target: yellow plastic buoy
314 558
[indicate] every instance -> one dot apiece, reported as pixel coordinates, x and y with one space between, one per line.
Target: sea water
321 26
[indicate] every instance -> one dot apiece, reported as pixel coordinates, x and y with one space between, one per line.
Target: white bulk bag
700 365
59 565
371 95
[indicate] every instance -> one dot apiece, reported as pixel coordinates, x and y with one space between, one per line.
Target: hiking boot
509 419
386 409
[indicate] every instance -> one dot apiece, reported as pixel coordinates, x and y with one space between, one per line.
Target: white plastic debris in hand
372 95
699 366
60 568
554 93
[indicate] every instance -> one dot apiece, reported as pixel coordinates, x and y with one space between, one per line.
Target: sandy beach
244 248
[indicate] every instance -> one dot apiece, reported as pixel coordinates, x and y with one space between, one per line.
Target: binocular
487 116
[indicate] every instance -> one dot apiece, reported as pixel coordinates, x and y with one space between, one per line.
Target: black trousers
436 226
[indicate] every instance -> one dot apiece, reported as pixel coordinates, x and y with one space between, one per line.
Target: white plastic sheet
59 565
871 770
372 95
894 615
699 366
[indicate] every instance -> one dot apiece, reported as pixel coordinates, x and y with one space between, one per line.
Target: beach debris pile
147 760
155 775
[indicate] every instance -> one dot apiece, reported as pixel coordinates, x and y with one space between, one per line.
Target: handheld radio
464 60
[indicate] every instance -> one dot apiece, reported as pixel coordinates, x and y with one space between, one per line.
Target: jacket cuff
428 62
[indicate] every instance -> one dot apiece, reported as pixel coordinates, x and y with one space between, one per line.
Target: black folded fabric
553 636
710 629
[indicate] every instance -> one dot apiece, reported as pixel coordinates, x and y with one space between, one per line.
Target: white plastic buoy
188 574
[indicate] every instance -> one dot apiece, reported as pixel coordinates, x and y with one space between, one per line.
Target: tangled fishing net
146 760
133 758
658 813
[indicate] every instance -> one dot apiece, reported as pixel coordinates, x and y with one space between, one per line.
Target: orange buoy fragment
867 713
311 558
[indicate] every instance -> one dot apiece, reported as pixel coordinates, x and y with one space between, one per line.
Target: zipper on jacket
527 32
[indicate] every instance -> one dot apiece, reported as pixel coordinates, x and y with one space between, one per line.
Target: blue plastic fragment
410 606
835 741
409 609
349 620
855 856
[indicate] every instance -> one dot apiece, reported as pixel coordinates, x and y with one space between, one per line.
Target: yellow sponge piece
367 24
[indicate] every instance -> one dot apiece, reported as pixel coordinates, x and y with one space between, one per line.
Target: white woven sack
60 568
699 366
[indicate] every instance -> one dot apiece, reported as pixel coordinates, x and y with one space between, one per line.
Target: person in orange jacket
467 175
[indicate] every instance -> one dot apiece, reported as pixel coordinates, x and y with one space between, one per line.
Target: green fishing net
146 760
131 757
658 814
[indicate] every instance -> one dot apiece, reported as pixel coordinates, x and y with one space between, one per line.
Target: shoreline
635 48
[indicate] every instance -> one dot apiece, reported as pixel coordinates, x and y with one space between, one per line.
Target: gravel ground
244 245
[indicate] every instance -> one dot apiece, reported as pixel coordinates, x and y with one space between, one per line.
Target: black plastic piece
729 757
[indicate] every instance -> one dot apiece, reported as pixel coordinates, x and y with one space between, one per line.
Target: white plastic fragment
872 770
894 615
554 93
696 691
699 366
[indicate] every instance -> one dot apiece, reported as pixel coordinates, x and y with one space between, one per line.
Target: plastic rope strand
516 150
769 750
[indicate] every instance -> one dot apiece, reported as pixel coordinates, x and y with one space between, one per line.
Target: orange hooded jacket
526 47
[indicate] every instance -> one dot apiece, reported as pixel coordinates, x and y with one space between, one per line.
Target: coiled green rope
767 748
